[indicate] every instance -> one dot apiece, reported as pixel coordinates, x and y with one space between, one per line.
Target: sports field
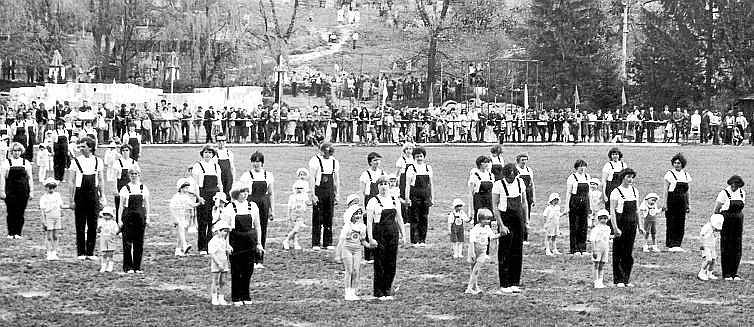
304 288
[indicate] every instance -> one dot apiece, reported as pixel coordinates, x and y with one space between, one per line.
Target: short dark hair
510 170
614 150
496 149
419 150
626 172
373 155
522 155
735 179
679 156
579 163
126 147
482 159
89 143
257 157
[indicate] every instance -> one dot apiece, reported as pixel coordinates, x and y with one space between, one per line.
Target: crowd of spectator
168 123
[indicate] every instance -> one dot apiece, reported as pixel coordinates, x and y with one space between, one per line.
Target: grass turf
304 288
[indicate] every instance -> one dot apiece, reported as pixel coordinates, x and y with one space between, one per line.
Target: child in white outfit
596 201
182 209
479 238
552 216
298 203
351 244
44 161
709 235
107 229
51 204
219 249
456 220
648 210
600 238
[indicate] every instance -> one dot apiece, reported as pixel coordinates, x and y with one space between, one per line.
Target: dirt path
343 30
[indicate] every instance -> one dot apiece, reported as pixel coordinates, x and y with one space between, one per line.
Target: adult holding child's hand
385 233
509 200
625 220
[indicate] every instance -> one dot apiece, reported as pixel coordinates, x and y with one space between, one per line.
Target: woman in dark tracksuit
577 197
246 241
368 181
16 187
677 184
420 193
207 175
134 213
227 165
86 191
480 183
527 175
610 173
509 201
385 232
625 220
730 203
60 154
261 184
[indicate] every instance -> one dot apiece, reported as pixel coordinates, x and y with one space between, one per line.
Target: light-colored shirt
134 189
723 198
418 170
230 211
202 169
476 177
621 194
458 218
328 166
600 235
86 166
249 177
51 204
673 177
375 207
574 180
708 236
613 167
508 190
551 214
481 235
370 176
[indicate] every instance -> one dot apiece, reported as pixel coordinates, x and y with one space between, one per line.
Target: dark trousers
510 250
16 208
730 244
714 130
420 220
577 223
86 228
651 133
675 226
208 133
203 222
133 247
185 131
385 258
241 269
322 214
623 248
704 133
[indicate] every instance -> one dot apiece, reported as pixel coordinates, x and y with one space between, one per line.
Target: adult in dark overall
133 138
420 196
610 172
527 175
60 154
134 220
16 186
497 161
368 183
385 232
480 184
207 175
245 239
261 183
325 181
730 203
226 162
123 165
509 200
577 197
625 220
23 133
677 184
404 162
86 193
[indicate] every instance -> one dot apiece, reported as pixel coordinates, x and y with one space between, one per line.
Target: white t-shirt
708 236
574 180
250 176
135 189
497 160
507 191
672 177
476 177
620 195
86 166
230 211
370 176
722 197
551 214
202 169
224 154
375 207
417 170
600 235
481 235
328 166
51 204
613 167
458 218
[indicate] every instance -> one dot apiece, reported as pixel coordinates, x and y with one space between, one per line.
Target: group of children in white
355 239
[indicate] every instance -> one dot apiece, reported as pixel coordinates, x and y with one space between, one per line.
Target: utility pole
624 47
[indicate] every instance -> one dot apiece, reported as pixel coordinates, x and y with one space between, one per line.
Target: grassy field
304 288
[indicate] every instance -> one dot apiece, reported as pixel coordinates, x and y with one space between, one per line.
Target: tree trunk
431 63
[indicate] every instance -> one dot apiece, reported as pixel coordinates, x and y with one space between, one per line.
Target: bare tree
435 24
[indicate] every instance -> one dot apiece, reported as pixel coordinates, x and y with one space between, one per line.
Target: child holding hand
351 244
298 202
219 249
600 238
709 234
552 214
51 204
456 220
479 238
648 210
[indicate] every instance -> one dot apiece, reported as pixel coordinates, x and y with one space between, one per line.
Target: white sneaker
258 266
598 284
103 268
10 237
729 278
316 248
620 285
680 249
515 289
527 243
296 245
556 252
711 275
548 252
645 248
655 248
110 266
214 301
702 275
130 272
49 256
247 302
55 255
286 245
203 253
81 257
178 252
630 285
330 247
506 290
221 301
238 303
93 257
